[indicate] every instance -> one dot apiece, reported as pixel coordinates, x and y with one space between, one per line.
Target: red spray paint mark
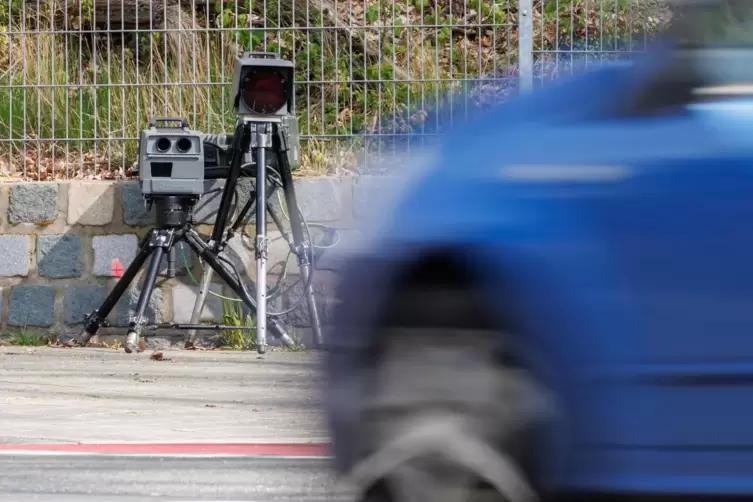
117 268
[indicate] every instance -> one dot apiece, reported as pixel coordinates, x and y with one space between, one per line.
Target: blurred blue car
563 302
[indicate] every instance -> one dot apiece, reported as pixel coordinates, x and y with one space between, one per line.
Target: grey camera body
249 62
171 159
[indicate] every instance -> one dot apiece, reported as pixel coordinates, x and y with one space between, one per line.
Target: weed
232 314
28 339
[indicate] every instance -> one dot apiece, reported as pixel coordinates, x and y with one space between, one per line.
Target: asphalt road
104 478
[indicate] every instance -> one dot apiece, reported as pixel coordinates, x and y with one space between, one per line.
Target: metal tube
261 238
138 322
198 306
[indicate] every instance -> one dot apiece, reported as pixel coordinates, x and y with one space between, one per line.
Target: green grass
68 86
26 338
238 339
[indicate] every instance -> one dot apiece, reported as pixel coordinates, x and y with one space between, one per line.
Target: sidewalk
52 395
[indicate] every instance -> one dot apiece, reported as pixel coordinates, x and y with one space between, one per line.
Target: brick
107 248
370 193
59 256
91 203
134 208
31 305
320 199
16 253
80 301
33 203
126 307
184 297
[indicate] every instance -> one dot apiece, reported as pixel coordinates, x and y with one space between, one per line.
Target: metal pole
198 306
263 141
525 45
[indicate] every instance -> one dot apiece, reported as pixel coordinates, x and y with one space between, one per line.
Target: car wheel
447 415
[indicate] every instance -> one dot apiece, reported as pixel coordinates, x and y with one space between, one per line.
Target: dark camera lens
163 144
184 145
263 91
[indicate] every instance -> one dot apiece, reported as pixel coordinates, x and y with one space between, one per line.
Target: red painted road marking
117 268
270 449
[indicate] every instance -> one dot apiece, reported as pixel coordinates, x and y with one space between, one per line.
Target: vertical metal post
525 45
263 141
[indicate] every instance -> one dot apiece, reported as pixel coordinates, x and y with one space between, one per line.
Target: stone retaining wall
58 243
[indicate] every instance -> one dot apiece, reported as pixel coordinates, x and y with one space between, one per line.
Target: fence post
525 45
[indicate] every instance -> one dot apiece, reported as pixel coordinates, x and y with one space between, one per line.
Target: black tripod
174 225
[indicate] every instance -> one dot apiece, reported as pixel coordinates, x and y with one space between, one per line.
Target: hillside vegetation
362 68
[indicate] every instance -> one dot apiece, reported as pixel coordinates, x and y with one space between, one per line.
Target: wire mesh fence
79 79
573 35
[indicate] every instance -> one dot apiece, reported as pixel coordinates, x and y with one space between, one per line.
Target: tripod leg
296 228
96 319
210 258
261 241
137 324
198 307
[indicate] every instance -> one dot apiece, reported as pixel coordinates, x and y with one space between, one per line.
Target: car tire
446 414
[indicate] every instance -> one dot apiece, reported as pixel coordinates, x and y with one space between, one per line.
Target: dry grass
68 90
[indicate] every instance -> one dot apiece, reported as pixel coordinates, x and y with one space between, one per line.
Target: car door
679 231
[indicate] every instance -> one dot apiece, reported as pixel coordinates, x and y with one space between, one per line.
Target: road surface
101 425
118 478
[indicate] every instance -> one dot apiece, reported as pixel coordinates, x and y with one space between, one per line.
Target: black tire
445 416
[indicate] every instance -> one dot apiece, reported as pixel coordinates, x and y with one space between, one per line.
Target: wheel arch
499 310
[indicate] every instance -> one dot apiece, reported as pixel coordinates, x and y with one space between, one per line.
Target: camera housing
171 159
263 85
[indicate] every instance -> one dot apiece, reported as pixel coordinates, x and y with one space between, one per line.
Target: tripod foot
132 342
83 338
278 331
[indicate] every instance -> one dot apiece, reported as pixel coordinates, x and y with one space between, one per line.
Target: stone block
320 199
373 193
16 253
158 343
31 305
33 203
59 256
80 301
300 315
184 297
126 307
91 202
333 258
108 248
134 208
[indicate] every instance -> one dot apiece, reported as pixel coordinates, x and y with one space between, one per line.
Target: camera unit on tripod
171 159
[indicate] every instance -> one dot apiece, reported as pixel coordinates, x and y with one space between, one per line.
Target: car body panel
622 245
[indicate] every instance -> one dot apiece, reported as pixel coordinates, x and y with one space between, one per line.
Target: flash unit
263 85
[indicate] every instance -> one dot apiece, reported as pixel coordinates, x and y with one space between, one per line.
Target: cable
276 290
